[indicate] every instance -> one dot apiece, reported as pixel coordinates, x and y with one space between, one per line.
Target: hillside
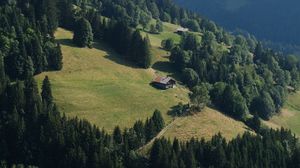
290 115
266 19
92 85
205 125
95 84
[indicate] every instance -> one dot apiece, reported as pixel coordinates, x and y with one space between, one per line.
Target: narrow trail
159 135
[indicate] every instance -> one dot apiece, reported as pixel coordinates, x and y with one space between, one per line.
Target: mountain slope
267 19
93 85
290 115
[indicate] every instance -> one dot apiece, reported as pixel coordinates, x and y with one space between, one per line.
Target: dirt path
159 135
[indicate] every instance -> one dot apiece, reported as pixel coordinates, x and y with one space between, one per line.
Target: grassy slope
96 85
290 115
205 124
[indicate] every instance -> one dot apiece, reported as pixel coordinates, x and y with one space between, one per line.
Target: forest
242 79
269 20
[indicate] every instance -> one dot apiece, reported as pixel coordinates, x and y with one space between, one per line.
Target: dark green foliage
26 34
248 150
234 103
34 133
254 123
46 92
128 43
179 57
190 41
146 53
246 70
83 34
180 110
199 97
168 44
117 135
190 77
263 105
54 56
154 125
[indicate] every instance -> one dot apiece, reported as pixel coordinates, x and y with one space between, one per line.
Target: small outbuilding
291 89
164 82
181 30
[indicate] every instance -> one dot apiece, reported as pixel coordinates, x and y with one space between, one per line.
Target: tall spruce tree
83 34
146 53
46 91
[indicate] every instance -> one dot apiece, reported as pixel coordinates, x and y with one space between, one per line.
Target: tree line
241 76
271 149
34 133
129 43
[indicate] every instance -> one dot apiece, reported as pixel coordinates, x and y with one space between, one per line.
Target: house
291 89
164 82
181 30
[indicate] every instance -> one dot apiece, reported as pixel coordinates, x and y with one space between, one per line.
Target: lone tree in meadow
83 34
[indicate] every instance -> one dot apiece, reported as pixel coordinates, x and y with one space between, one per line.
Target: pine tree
117 135
46 91
156 154
28 68
146 54
135 47
158 121
83 34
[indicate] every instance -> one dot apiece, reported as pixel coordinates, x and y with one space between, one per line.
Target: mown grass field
205 125
98 86
290 115
95 84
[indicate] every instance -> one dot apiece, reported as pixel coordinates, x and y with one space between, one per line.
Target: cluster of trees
272 149
83 33
88 25
168 44
141 12
156 28
262 23
27 45
240 75
130 44
33 132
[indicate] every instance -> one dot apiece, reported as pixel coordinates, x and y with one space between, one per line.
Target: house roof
162 80
182 29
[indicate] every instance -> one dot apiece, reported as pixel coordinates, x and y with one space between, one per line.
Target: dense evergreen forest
270 20
33 133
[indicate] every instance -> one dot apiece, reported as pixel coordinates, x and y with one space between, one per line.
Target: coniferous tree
46 91
83 34
146 53
199 97
117 135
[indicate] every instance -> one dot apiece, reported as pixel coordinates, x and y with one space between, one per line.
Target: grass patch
95 84
98 86
204 125
289 116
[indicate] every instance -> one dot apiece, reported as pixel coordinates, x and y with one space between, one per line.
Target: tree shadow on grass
66 42
111 54
166 67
